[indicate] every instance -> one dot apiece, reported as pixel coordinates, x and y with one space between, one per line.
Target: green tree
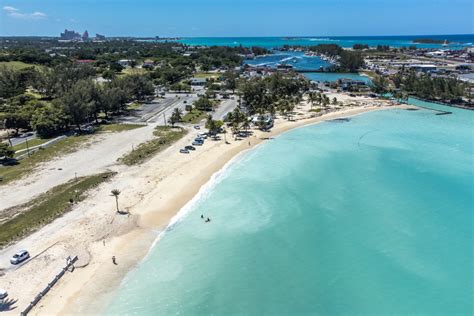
176 116
6 151
49 120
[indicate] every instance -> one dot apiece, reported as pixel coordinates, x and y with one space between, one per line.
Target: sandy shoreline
154 193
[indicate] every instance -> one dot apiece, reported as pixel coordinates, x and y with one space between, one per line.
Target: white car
3 294
19 257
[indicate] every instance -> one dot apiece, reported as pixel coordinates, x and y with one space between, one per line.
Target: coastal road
225 107
161 117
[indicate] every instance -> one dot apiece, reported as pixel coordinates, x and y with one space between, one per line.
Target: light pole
27 147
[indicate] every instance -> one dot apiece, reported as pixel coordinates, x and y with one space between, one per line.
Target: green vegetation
6 151
48 206
18 65
133 106
118 127
165 137
176 116
28 164
207 75
31 143
194 116
277 92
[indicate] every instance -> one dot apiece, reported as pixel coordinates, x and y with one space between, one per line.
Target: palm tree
116 194
312 98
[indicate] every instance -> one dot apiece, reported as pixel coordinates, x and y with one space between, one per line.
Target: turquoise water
332 76
373 216
297 59
458 41
301 62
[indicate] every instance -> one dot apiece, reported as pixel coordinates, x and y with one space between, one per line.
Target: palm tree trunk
116 201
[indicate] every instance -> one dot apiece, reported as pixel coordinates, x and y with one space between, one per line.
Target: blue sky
237 17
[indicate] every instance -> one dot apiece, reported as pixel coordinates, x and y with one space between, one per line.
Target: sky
222 18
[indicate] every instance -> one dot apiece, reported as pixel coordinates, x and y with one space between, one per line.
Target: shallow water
457 41
371 217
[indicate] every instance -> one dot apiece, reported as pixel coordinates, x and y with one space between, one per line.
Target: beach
153 193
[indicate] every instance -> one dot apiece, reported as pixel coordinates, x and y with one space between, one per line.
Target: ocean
370 216
456 41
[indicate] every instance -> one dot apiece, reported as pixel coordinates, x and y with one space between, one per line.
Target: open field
26 165
194 117
207 75
31 143
47 207
118 127
18 65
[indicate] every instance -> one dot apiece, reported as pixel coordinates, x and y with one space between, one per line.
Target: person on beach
113 260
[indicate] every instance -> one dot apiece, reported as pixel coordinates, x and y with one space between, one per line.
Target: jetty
37 299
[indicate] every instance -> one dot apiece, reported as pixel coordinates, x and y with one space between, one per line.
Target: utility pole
164 118
27 147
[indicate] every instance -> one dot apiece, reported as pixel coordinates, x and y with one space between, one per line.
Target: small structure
124 62
264 122
198 81
423 67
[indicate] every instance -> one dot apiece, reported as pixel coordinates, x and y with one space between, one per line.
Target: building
124 62
264 122
423 67
198 81
69 35
99 37
348 84
85 36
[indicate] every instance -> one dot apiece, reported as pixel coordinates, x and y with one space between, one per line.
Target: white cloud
16 13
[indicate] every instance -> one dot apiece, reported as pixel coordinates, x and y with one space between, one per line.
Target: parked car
3 294
189 147
196 143
202 135
19 257
197 127
184 151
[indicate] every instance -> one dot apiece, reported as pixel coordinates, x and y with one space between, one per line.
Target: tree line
69 97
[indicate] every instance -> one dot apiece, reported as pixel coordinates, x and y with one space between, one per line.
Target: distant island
430 41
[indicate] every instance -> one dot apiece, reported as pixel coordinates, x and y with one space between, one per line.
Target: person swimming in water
202 216
207 220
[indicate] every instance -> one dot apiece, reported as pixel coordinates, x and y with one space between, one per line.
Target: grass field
165 137
31 143
118 127
48 206
27 165
207 75
18 65
133 71
194 117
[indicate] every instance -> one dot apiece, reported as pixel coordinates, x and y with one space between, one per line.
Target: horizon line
257 36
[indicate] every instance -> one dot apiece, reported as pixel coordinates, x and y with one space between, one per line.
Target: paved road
21 139
179 103
225 107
